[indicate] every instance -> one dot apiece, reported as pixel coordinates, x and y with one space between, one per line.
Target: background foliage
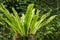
48 32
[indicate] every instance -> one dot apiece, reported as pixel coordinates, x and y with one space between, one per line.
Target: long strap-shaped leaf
18 25
44 17
7 14
28 17
35 18
12 26
27 22
44 23
18 20
14 21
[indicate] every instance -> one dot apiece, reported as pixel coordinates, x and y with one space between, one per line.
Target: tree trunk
30 37
17 37
25 38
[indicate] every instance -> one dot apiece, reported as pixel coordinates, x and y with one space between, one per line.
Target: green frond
48 20
23 18
27 22
35 18
43 23
43 17
28 17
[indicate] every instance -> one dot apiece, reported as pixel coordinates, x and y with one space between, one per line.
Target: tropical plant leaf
37 26
27 23
28 17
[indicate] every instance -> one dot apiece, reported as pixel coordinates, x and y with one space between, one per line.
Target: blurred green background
48 32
